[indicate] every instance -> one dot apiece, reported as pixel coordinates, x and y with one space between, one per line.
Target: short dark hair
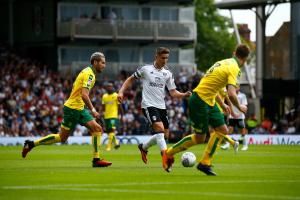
162 50
242 51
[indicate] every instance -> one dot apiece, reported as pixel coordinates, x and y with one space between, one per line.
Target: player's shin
229 139
49 139
96 136
212 145
110 140
150 142
186 143
160 141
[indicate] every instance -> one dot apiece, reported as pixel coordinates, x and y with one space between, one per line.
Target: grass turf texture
65 172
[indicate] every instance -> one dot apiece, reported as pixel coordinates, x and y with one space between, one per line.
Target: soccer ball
188 159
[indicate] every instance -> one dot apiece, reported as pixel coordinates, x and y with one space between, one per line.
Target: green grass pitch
65 172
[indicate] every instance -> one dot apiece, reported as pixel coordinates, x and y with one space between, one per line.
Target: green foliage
214 41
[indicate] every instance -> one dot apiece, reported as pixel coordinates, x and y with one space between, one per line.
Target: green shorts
202 115
73 117
110 124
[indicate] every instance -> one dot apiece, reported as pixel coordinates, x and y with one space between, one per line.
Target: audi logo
125 140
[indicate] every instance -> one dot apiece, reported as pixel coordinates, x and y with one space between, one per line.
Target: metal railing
129 30
113 69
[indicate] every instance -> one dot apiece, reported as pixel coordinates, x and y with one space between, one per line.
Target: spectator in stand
251 123
267 124
297 120
291 128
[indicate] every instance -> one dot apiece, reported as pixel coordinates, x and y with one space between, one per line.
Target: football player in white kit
155 78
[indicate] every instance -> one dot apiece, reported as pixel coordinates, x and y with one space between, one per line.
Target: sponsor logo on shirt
159 85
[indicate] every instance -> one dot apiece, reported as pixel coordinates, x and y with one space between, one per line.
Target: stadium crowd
32 98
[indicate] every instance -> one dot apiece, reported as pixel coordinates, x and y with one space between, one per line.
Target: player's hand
120 97
243 108
95 114
235 115
187 94
226 109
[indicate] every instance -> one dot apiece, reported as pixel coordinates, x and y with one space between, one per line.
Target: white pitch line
163 192
159 183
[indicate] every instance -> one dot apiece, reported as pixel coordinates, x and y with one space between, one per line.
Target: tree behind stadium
214 40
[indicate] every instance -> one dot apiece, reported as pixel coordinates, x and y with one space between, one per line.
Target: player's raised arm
128 82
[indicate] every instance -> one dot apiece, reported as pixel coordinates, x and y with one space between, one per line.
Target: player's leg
187 142
243 130
199 121
96 130
69 122
151 115
216 119
115 140
167 160
110 133
47 140
158 128
228 140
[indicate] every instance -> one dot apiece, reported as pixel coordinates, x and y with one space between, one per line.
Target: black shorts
239 123
156 115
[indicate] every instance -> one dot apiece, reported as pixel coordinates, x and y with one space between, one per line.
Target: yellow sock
110 140
183 144
115 140
229 139
49 139
213 143
96 144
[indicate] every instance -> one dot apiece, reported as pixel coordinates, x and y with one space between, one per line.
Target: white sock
161 142
245 141
150 142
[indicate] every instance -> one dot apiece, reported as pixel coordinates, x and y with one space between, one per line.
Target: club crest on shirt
89 82
157 79
154 118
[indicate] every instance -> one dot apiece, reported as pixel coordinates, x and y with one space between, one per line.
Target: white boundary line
156 183
83 187
163 192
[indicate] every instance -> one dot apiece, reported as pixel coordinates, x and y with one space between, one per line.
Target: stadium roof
246 4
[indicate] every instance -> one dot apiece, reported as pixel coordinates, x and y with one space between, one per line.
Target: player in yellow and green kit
203 110
78 109
111 108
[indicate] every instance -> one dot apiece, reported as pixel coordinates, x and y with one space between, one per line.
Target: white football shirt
242 98
154 82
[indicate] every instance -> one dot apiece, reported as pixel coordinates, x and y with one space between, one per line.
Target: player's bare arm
88 103
235 115
124 87
175 93
234 100
225 107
